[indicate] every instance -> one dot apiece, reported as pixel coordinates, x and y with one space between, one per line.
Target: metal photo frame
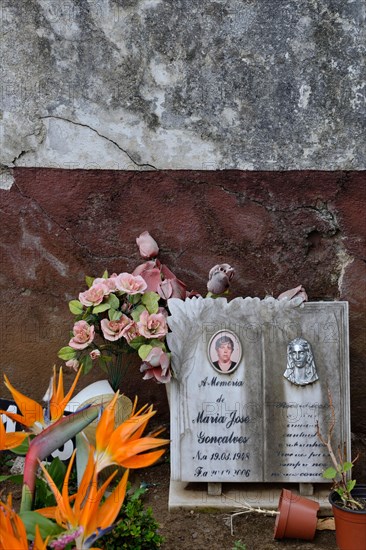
232 341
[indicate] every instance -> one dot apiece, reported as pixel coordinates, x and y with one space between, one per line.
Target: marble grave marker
251 381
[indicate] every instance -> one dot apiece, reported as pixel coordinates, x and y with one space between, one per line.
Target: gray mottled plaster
170 84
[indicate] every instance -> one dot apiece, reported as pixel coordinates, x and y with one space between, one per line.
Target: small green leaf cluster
340 472
239 545
6 460
135 529
341 485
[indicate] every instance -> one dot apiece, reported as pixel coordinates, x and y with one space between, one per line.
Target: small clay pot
297 517
350 524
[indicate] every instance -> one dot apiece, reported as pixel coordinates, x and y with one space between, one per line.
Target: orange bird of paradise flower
12 530
32 415
86 516
124 445
10 440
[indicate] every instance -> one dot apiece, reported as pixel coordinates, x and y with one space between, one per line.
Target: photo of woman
224 351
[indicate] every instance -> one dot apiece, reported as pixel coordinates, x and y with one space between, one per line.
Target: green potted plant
347 498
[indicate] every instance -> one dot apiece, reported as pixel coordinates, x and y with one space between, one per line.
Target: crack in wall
39 134
142 165
21 154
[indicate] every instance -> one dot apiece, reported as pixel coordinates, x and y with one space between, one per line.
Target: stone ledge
194 496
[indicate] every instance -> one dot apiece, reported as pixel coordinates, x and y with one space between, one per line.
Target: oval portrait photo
224 351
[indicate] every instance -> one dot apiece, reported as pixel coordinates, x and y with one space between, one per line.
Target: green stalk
48 441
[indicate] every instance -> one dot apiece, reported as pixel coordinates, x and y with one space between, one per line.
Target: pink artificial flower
114 330
152 326
165 289
145 266
93 296
109 284
130 284
131 332
163 311
299 293
73 364
83 335
167 274
172 288
151 275
156 365
94 354
178 287
219 278
148 247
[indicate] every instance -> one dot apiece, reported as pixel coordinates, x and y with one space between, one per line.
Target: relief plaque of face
300 368
299 355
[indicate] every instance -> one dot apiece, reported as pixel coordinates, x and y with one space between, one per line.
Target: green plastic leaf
102 363
90 318
144 351
151 301
137 342
76 307
137 312
67 353
87 364
105 275
351 485
330 473
101 307
347 466
89 281
57 471
46 526
15 478
113 301
134 298
114 315
155 343
44 496
22 449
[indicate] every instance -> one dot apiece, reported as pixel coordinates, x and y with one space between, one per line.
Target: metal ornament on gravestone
251 382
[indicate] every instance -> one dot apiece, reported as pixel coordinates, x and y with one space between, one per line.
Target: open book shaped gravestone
251 382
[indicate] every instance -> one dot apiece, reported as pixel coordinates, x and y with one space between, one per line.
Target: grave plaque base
194 496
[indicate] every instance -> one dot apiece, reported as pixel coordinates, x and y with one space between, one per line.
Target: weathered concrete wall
178 84
276 229
141 86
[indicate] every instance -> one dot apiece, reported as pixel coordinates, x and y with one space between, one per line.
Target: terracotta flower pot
350 524
297 517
